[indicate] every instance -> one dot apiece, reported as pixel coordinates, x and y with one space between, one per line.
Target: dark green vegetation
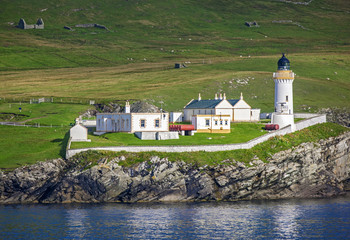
96 63
25 145
263 151
240 132
44 114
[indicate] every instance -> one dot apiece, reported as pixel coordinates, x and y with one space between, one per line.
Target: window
156 123
286 98
207 122
220 122
216 122
226 122
143 123
127 123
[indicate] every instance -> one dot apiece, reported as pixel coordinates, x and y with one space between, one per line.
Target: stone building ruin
23 25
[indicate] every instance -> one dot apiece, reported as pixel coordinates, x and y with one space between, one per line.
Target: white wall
113 122
175 117
150 122
199 122
255 115
188 113
283 88
241 115
78 133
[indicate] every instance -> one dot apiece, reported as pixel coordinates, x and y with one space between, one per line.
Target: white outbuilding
211 123
79 133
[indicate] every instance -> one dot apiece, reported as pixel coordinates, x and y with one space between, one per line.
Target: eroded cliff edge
310 170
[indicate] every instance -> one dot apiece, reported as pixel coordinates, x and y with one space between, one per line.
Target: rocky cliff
311 170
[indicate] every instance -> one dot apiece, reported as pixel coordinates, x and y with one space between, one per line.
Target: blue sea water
282 219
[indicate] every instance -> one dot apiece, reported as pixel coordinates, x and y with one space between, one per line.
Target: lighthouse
283 78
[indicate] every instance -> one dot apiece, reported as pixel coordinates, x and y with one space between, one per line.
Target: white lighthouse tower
284 77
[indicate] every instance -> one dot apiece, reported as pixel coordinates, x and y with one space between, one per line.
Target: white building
238 109
132 122
212 123
176 117
79 133
283 78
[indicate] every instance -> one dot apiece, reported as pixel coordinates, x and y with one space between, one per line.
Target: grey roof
233 101
205 104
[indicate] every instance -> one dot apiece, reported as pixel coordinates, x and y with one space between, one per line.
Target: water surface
283 219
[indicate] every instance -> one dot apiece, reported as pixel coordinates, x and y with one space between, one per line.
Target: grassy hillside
134 59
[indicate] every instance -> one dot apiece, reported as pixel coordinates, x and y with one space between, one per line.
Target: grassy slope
93 63
55 114
22 145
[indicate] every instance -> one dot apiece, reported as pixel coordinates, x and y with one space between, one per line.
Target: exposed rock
136 107
337 115
143 107
310 170
108 108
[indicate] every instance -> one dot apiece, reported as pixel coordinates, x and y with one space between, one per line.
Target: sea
273 219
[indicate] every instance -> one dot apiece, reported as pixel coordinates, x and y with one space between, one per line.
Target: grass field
135 59
55 114
240 132
25 145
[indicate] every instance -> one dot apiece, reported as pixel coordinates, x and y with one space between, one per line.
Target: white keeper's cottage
132 122
238 109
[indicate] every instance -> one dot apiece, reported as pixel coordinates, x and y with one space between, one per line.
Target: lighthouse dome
283 63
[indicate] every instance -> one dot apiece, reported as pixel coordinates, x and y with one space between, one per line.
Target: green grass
25 145
55 114
263 151
96 64
240 132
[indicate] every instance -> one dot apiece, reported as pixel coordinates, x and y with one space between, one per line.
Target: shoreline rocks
311 170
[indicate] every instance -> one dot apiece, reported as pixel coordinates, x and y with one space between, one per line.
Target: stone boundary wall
315 119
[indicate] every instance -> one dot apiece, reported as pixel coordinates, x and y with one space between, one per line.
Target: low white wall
311 121
89 123
305 115
208 148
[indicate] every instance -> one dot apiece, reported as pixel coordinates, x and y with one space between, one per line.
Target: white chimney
216 96
241 98
224 95
220 96
127 107
199 97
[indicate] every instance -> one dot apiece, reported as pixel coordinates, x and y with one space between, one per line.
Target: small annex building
79 133
212 123
238 109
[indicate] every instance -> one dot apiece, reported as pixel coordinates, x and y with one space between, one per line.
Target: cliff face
310 170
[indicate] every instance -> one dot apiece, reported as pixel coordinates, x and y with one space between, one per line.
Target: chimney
199 97
220 96
241 98
216 96
127 107
224 95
